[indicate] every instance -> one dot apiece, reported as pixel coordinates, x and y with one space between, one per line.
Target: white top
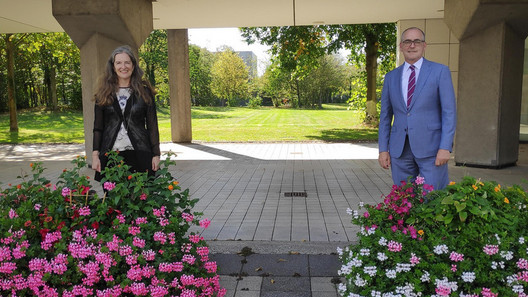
405 76
122 142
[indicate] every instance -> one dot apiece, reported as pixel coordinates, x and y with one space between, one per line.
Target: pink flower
134 230
394 246
66 192
149 255
366 214
37 206
141 220
420 180
109 186
160 236
522 264
443 291
84 211
12 214
205 223
453 268
491 249
195 238
138 242
210 266
188 259
487 293
456 257
143 196
188 217
414 259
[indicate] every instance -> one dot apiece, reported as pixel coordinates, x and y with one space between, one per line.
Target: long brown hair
108 82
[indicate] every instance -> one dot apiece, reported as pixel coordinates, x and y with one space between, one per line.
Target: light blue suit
429 123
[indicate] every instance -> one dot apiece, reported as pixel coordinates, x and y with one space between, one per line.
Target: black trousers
139 161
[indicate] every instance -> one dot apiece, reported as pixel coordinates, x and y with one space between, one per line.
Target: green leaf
448 218
460 206
447 200
463 216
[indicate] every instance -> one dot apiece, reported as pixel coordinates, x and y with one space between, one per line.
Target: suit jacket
140 120
429 121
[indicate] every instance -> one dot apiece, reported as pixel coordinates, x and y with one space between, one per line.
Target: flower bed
63 240
469 239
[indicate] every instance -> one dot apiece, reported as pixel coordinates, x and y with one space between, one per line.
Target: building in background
251 62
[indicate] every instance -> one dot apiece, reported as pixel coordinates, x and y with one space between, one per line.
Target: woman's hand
155 163
96 163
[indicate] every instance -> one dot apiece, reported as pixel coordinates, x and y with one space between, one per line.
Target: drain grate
295 194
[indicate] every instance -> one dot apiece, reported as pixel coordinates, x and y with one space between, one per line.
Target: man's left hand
442 157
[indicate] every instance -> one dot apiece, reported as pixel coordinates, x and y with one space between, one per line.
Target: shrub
64 240
465 240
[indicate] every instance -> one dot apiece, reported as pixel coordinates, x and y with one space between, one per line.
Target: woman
125 116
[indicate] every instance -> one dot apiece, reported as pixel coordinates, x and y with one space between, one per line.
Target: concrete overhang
26 16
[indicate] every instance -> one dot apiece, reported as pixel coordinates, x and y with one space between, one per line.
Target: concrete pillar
489 92
180 85
491 34
97 27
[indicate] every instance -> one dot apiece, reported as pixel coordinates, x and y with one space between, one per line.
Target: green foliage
47 71
96 243
153 56
230 78
201 62
465 240
255 102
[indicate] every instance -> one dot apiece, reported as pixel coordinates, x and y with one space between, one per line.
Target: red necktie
411 85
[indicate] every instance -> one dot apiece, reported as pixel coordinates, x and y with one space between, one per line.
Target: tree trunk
53 88
371 51
10 49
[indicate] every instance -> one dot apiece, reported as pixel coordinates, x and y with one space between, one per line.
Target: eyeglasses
416 42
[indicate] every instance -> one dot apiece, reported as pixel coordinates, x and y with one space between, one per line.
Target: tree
230 77
368 44
11 42
154 54
295 48
201 62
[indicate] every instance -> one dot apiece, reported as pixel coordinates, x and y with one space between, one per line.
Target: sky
213 39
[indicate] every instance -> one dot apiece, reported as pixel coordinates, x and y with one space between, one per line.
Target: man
419 96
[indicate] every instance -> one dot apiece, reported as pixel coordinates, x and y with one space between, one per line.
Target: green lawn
209 124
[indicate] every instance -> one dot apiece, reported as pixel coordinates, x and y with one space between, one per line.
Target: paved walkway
243 188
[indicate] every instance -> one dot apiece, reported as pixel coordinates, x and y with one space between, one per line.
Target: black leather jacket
140 120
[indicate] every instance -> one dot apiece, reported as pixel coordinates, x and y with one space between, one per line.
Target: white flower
426 277
382 257
361 204
339 251
370 270
521 240
496 265
371 231
364 252
341 288
375 293
349 211
518 289
508 255
390 273
510 279
356 262
446 283
468 277
441 249
405 267
359 281
382 241
355 214
407 290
